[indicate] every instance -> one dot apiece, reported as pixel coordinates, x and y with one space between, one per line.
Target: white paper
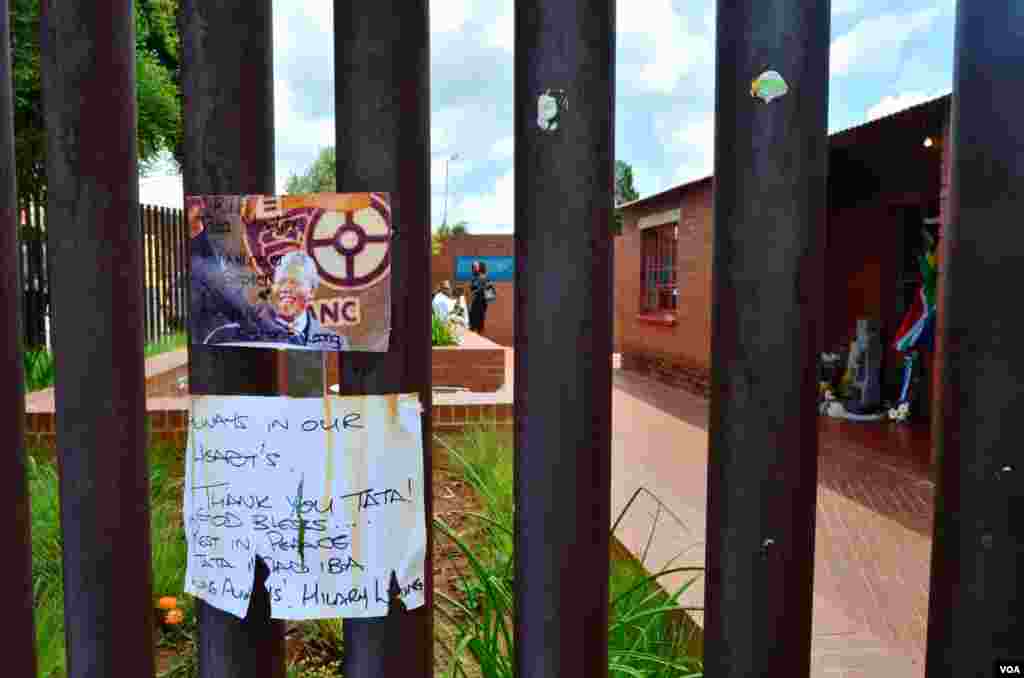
357 464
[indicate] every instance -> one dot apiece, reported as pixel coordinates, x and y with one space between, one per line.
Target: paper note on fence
328 492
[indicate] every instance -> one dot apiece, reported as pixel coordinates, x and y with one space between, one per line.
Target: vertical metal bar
158 265
152 247
166 295
43 268
563 214
43 262
769 215
164 270
151 272
227 81
35 308
175 247
147 235
28 245
24 275
145 274
382 121
976 606
92 208
162 261
20 656
182 269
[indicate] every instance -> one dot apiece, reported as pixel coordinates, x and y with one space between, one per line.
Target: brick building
886 182
499 324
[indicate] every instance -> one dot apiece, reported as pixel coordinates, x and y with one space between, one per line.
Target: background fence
164 295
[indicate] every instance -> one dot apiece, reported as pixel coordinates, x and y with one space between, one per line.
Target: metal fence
768 272
165 310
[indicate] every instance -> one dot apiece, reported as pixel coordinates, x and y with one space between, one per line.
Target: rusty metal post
976 603
227 81
565 104
20 657
767 317
88 64
382 123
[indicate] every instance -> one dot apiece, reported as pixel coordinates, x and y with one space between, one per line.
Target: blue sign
499 269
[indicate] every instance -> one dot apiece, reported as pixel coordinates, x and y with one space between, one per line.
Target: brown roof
923 115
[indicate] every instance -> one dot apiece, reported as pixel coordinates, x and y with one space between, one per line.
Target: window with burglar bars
658 269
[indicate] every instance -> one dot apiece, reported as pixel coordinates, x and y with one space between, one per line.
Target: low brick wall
477 364
167 375
167 405
459 417
164 426
689 377
167 426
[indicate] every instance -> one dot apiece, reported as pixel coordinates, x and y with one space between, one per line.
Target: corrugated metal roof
838 137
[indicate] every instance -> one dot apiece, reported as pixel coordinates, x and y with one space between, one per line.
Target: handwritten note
328 492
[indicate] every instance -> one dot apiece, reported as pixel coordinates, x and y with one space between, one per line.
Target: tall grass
169 343
643 640
39 365
168 555
441 333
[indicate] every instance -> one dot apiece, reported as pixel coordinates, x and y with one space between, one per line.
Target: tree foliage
446 231
321 177
158 90
624 190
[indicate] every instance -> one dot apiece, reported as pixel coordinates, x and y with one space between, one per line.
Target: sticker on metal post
550 105
768 86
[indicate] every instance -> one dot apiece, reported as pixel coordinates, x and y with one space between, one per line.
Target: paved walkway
873 540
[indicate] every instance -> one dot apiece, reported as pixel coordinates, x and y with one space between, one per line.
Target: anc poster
295 271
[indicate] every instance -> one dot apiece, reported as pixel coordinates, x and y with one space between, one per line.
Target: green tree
446 231
157 89
624 191
319 178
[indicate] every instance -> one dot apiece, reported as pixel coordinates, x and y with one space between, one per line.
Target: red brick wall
476 364
499 324
861 272
678 353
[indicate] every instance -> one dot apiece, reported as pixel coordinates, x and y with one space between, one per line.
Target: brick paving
874 517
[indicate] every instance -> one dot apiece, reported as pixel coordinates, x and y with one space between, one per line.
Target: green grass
170 343
168 555
39 371
39 364
643 640
441 333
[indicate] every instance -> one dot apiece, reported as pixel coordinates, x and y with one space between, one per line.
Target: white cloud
298 138
874 44
449 16
841 7
504 147
500 32
673 49
491 212
897 102
696 140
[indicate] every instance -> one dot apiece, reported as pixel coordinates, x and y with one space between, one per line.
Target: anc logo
351 249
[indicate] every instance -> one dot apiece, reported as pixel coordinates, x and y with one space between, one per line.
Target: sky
885 55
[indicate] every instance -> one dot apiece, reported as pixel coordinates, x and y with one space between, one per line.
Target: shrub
642 638
441 333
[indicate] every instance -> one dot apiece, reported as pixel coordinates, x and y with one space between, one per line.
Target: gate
769 204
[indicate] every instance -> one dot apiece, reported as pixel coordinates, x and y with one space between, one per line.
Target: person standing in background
478 297
442 302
